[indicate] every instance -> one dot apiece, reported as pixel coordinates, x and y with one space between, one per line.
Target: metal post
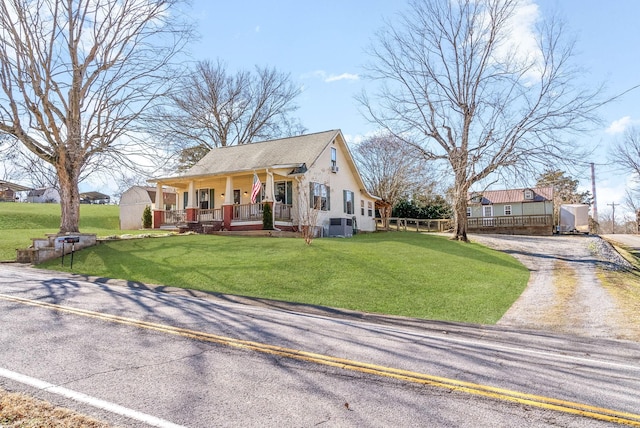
593 191
613 216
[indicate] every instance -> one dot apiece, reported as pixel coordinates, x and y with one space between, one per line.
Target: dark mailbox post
69 240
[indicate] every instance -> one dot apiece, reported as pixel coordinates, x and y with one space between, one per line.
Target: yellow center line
533 400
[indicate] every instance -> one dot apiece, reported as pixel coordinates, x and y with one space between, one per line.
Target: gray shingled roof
293 150
13 186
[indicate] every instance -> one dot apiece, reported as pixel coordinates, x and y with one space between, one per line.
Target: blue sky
322 45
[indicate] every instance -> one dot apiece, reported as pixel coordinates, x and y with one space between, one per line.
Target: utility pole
593 192
613 216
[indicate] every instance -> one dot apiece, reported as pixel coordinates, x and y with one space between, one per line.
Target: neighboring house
134 200
8 191
94 198
43 195
295 173
526 211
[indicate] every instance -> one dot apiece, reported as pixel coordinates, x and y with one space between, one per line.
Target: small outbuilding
94 198
8 191
44 195
134 200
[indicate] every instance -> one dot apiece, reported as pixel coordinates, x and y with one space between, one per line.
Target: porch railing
174 216
214 214
282 212
245 212
509 221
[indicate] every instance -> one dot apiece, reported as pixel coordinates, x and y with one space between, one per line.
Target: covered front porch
213 203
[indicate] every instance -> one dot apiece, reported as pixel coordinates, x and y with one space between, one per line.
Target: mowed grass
400 273
19 222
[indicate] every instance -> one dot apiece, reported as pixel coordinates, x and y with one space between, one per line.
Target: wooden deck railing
509 221
417 224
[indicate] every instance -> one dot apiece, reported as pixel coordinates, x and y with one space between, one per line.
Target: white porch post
269 190
192 203
159 197
228 193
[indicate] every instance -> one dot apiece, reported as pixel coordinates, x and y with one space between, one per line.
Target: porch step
169 228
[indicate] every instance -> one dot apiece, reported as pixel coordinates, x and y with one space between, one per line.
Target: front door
487 213
203 197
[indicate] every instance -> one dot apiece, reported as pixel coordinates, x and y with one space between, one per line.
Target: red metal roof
510 196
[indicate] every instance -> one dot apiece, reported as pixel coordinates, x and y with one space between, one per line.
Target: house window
361 207
204 199
319 196
334 157
261 193
349 201
284 192
487 211
468 211
507 210
528 194
370 208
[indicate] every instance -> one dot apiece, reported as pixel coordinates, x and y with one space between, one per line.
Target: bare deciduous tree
626 154
308 212
457 85
213 108
76 76
391 169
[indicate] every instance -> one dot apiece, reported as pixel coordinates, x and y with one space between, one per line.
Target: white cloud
520 38
619 126
257 29
329 78
343 76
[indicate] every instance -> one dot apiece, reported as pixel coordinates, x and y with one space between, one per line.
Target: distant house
134 200
293 175
43 195
94 198
8 191
527 211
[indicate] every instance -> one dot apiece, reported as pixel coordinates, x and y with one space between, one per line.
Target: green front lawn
400 273
19 222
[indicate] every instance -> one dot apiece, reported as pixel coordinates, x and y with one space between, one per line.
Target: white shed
134 200
43 195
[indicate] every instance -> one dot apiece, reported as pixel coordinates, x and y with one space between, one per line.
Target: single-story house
44 195
94 198
8 191
134 200
308 180
527 211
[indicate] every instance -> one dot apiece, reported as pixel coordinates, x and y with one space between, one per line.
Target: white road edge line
86 399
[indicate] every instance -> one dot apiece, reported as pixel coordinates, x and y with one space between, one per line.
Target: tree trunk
460 211
69 200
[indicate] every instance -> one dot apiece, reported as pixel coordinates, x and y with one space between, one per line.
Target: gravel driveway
564 294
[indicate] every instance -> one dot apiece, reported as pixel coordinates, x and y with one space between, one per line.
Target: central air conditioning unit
334 168
341 227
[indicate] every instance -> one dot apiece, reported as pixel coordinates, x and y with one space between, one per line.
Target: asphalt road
632 241
201 362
